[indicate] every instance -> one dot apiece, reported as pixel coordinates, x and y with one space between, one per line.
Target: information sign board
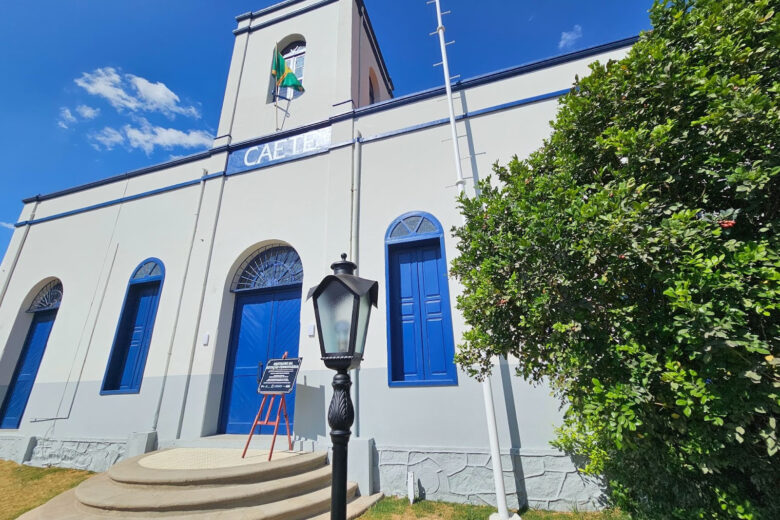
279 376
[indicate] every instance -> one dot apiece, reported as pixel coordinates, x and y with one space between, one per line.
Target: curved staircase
160 485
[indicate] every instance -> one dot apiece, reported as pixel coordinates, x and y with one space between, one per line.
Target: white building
134 310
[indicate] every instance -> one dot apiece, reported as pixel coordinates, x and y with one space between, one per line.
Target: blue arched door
44 309
266 324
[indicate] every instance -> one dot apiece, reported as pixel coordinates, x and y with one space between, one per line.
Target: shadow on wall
514 429
309 411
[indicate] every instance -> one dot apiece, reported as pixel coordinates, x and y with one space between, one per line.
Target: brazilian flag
285 77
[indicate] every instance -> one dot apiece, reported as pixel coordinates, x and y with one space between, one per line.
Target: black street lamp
342 306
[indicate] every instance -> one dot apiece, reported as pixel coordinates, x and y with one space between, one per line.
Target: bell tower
328 44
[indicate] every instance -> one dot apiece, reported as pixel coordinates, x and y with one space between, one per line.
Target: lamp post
342 306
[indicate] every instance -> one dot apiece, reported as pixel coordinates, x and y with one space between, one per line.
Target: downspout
156 418
200 305
354 248
18 253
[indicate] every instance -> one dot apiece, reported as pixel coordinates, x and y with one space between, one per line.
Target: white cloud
7 225
158 97
147 137
87 112
568 38
66 117
108 138
133 93
107 83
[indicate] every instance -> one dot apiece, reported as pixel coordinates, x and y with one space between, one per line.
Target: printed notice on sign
279 376
281 150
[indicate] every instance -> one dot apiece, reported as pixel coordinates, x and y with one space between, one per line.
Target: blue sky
94 88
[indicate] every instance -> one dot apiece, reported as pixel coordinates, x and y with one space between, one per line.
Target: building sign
279 376
281 150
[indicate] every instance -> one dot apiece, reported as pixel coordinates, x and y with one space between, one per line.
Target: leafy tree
633 263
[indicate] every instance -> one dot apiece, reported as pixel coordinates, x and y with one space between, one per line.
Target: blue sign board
281 150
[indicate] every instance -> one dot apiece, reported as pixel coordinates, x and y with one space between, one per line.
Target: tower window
294 56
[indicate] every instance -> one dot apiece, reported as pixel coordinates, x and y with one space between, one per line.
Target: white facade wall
203 231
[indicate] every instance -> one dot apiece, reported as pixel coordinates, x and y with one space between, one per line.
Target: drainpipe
18 252
354 248
156 418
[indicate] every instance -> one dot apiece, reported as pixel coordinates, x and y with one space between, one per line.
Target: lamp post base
341 415
496 516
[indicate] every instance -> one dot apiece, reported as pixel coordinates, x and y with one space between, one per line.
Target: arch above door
270 266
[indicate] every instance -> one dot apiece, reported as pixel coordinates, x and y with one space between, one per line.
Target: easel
267 422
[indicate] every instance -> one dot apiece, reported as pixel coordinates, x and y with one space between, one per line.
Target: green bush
632 263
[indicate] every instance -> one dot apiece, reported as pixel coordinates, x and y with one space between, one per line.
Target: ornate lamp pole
342 306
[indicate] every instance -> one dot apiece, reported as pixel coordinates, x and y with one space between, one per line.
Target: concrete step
204 484
357 507
310 505
101 492
131 472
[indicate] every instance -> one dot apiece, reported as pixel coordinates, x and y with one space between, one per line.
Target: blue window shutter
126 363
420 340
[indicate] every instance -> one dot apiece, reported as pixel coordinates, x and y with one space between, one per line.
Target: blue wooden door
134 336
26 369
266 324
422 347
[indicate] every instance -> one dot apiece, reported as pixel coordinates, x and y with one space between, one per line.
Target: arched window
271 266
44 310
48 298
127 360
294 56
421 347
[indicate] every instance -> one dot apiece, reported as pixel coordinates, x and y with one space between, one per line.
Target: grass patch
23 487
399 509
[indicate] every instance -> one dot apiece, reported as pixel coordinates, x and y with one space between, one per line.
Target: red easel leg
276 428
287 424
254 425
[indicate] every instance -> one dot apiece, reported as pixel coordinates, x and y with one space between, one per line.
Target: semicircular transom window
150 269
48 298
413 225
271 266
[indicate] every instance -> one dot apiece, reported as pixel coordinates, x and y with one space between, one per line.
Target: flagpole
276 89
487 390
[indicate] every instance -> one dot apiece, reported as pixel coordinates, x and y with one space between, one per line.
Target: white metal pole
460 182
487 390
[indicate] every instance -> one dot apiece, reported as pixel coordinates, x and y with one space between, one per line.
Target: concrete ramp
206 483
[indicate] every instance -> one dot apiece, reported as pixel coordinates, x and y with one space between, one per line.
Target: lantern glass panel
335 305
364 311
